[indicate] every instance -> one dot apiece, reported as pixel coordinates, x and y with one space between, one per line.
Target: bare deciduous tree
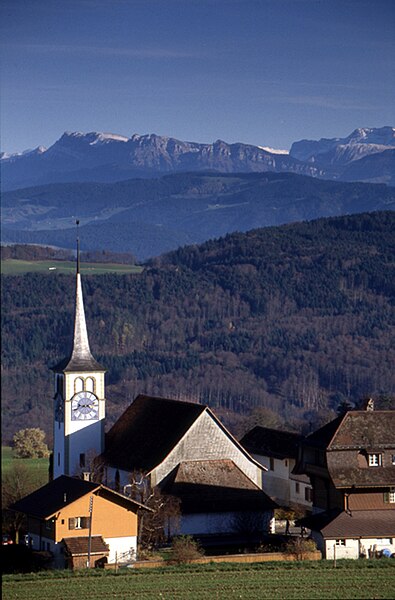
154 527
16 484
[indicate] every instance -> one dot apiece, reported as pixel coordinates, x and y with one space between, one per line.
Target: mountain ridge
106 157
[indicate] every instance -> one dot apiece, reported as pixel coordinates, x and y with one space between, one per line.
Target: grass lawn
308 580
18 267
38 467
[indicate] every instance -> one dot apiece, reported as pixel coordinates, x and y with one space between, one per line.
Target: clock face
84 407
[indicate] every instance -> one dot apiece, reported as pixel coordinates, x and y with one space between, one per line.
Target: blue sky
266 72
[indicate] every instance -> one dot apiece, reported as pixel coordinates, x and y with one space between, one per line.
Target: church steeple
79 401
81 358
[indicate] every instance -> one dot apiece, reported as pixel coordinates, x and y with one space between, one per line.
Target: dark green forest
278 325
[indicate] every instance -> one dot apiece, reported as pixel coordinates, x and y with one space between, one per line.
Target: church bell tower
79 401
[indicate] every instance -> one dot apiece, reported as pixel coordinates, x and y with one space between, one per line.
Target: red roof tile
78 546
362 523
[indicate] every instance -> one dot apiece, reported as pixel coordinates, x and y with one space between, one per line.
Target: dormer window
374 460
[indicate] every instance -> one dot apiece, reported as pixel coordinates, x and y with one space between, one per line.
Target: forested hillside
284 322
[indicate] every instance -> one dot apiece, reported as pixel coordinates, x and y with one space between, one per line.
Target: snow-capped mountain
108 157
340 151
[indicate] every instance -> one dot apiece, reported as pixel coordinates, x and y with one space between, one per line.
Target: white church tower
79 401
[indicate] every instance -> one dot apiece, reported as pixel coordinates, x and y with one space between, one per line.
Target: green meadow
19 267
38 467
304 580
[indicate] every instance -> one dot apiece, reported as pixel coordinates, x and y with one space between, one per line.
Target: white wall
121 545
354 546
300 497
275 482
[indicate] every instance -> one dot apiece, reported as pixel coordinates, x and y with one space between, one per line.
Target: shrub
29 443
300 547
184 549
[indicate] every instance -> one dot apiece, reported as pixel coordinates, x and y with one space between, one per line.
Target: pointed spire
78 246
81 358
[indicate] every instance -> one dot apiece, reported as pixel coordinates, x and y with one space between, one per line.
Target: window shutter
72 523
386 497
84 522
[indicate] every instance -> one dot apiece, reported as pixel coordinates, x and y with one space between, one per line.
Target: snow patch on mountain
273 150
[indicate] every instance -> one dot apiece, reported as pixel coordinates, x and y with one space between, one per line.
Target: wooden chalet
351 464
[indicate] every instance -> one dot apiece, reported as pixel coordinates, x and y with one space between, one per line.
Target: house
186 451
73 519
351 464
278 452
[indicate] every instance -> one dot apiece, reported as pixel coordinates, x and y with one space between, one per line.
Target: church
180 447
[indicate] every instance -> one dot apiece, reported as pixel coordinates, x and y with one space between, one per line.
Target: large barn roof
147 431
214 486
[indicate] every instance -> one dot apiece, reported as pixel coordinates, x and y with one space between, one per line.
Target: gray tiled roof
214 486
362 523
271 442
147 431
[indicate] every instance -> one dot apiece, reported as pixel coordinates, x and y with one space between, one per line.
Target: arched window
90 384
78 385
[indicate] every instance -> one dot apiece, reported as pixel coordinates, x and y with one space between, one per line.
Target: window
307 494
286 463
297 488
393 459
271 464
374 460
79 523
389 497
78 385
340 542
90 384
82 460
